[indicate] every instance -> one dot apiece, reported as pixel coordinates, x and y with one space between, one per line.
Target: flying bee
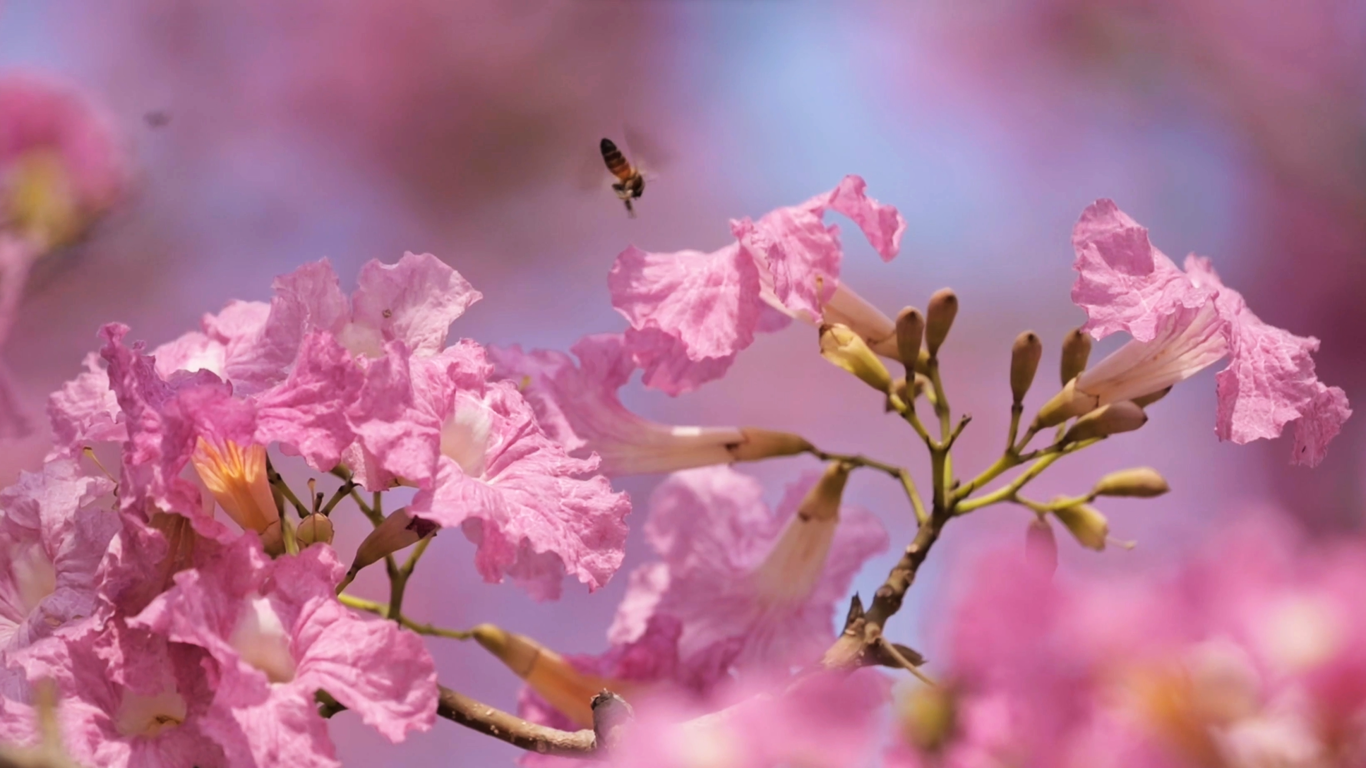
630 183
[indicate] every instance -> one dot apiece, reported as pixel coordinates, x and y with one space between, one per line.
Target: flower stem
380 609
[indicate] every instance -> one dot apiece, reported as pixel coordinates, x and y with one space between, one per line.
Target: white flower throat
261 639
465 436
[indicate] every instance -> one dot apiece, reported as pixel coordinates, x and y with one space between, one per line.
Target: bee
630 182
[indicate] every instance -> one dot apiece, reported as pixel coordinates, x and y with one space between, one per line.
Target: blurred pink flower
827 719
690 313
577 405
129 697
61 167
534 511
55 526
1183 322
754 589
1250 655
279 635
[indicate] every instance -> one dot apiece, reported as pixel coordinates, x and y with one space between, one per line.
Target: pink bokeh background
356 130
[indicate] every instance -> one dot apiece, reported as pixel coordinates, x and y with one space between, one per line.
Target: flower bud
1064 405
1076 350
1107 420
1025 354
943 308
849 351
314 529
928 717
399 530
766 444
910 329
556 680
1152 397
1143 482
612 718
822 502
1086 524
1041 548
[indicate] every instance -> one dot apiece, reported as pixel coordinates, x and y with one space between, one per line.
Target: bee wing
591 173
648 155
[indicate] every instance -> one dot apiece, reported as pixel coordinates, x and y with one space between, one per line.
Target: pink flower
754 590
577 405
692 312
1250 654
534 511
278 634
129 697
1183 322
413 301
195 418
826 719
60 160
54 528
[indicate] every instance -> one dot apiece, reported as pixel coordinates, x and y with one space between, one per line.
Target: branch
501 725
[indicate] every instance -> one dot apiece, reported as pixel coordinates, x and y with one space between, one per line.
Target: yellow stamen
39 202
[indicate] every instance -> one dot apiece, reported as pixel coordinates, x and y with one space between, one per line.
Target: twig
380 609
398 579
900 473
889 648
478 716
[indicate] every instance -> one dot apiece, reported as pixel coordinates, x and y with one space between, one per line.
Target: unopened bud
943 308
766 444
1086 524
1107 420
1025 354
315 529
1064 405
1150 398
928 717
399 530
1142 482
1041 547
822 502
849 351
910 329
556 680
1076 350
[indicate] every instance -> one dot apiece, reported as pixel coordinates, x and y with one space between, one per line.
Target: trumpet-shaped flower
534 511
54 528
195 418
278 635
754 590
1185 321
691 312
577 405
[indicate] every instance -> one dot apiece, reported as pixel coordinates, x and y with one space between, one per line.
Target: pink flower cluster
1251 654
176 637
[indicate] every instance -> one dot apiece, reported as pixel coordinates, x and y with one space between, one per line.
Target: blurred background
269 134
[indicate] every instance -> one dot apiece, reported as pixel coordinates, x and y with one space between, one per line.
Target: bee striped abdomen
616 161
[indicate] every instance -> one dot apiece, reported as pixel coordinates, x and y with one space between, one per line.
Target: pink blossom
45 120
1250 654
413 301
54 528
577 405
534 511
826 719
692 312
129 697
754 589
196 418
278 634
1185 321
